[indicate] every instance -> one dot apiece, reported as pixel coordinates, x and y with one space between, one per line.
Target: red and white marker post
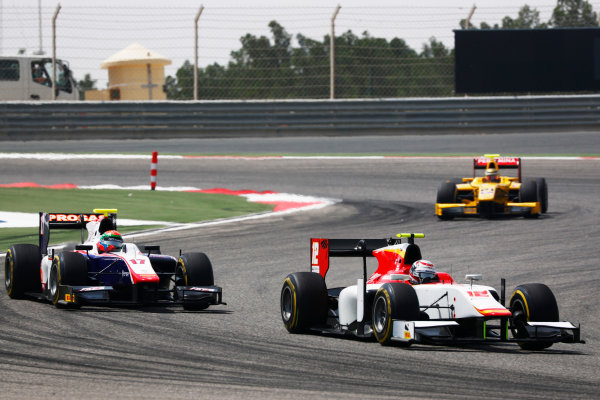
153 170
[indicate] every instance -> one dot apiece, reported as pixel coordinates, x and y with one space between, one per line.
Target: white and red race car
85 276
391 307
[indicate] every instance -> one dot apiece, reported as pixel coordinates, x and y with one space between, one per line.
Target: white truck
30 78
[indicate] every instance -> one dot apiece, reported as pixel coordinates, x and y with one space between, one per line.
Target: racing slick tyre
194 269
532 302
529 193
68 268
303 301
446 193
542 193
22 270
393 301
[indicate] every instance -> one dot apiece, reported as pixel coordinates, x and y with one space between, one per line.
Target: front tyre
446 194
22 270
542 187
69 269
303 301
532 302
393 301
194 269
529 194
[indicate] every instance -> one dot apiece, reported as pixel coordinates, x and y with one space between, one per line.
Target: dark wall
527 60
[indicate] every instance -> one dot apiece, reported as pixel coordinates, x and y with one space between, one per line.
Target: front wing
443 332
108 295
472 209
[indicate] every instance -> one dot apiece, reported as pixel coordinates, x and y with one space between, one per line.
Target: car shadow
495 347
143 309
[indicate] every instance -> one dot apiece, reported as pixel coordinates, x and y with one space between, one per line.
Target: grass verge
179 207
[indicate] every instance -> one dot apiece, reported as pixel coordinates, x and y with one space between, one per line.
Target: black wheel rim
287 303
8 272
53 281
380 314
179 278
519 319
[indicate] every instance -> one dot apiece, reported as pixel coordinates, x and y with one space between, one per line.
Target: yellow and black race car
492 194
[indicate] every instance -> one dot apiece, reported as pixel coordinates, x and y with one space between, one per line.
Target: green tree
566 14
527 18
87 83
365 66
573 14
182 86
311 68
434 48
264 67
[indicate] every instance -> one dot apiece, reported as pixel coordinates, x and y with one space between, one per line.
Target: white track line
61 156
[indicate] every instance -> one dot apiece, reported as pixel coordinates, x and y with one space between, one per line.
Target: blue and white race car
88 276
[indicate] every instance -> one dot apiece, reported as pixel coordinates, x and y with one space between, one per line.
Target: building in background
134 73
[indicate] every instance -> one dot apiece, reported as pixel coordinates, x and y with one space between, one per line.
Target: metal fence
74 120
261 50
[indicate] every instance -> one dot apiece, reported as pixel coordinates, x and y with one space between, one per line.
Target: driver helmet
422 271
110 241
492 172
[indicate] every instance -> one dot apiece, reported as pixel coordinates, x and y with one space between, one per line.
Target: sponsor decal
478 293
147 276
487 190
92 288
315 255
68 298
74 217
501 161
494 312
319 256
200 289
406 332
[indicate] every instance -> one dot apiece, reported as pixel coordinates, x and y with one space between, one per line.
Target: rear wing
322 249
69 220
501 162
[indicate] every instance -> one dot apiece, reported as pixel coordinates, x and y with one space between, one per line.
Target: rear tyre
22 270
303 301
446 193
68 268
529 194
393 301
532 302
194 269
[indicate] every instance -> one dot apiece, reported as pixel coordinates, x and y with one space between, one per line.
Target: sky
89 31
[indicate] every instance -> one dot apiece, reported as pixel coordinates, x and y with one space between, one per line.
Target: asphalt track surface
243 350
575 142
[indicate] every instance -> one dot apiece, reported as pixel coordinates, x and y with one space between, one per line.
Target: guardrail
143 119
